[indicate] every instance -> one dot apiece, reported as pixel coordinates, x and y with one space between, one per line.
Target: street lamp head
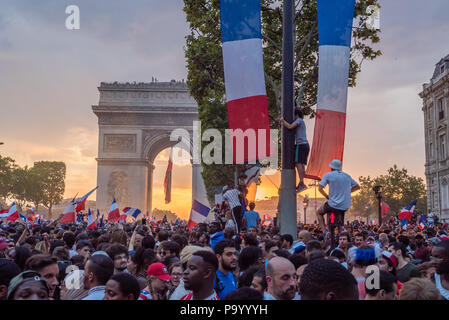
377 189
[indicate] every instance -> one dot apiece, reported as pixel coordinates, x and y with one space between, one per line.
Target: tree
205 63
51 175
7 166
20 184
398 190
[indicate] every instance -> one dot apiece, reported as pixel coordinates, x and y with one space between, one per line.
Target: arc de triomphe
135 121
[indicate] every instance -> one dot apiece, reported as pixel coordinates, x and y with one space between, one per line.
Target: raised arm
288 125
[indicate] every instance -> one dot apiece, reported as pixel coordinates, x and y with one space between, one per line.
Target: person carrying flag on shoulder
302 147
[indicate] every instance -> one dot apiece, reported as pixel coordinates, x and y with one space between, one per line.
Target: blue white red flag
335 20
244 76
91 224
168 178
133 212
68 215
81 202
407 212
13 214
114 212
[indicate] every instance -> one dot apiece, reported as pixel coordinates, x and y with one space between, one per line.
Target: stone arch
135 122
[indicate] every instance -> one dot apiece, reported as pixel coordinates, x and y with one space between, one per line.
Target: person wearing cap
302 147
341 185
388 262
157 283
8 270
231 195
28 285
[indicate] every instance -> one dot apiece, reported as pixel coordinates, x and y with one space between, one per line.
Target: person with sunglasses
28 285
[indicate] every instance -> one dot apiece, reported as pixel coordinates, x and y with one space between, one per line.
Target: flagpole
287 193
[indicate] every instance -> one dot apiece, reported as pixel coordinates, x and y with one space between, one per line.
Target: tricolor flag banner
68 215
38 219
98 214
23 217
90 221
200 204
81 202
133 212
167 180
422 221
334 31
244 77
384 209
198 214
114 212
252 175
407 212
4 213
13 214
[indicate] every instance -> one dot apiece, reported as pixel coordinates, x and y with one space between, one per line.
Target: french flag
68 215
168 178
114 212
246 97
23 217
198 214
407 212
81 202
90 221
133 212
33 215
4 213
13 214
334 31
153 222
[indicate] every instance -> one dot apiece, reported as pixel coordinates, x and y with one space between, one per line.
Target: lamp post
378 191
305 202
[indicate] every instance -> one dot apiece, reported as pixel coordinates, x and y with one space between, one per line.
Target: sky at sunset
49 78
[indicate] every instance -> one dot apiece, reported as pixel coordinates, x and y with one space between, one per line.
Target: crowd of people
233 257
134 261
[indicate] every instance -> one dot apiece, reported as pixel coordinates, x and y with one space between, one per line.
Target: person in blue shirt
251 218
216 234
227 262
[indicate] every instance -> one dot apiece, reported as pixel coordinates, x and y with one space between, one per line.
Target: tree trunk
50 216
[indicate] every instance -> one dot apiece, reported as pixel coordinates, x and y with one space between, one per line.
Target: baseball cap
390 257
25 276
159 270
3 243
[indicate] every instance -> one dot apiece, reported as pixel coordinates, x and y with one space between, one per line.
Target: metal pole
287 192
379 198
305 210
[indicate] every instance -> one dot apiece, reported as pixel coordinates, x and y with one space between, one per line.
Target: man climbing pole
302 147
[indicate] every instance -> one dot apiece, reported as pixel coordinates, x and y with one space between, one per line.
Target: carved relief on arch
118 188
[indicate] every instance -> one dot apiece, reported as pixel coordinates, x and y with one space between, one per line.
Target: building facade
435 96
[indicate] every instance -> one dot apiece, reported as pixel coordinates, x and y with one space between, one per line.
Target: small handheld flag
90 221
114 213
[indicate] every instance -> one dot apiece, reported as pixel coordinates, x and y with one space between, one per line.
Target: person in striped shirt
199 276
232 196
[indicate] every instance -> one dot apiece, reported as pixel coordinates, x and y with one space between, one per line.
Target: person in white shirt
341 185
231 195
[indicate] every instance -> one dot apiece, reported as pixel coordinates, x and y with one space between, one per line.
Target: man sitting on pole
341 185
302 147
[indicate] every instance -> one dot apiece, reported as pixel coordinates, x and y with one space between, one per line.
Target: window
440 109
442 68
431 150
429 113
443 147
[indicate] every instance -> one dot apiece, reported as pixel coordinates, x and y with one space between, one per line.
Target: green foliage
398 190
51 175
159 214
205 63
7 166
